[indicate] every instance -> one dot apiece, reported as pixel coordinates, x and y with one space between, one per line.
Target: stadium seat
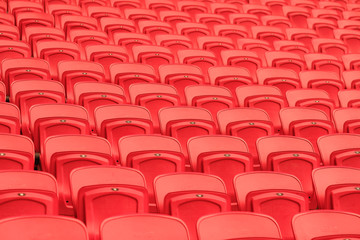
9 118
14 49
9 32
144 226
160 5
275 6
94 94
115 121
323 27
226 226
215 44
174 42
242 58
33 19
153 155
210 19
183 123
7 19
292 155
100 12
338 6
304 3
55 52
60 9
17 152
27 93
100 192
351 61
153 55
193 30
43 228
201 58
84 4
33 35
276 21
291 46
285 59
106 55
85 37
62 154
309 123
153 28
325 80
268 33
349 98
351 79
74 22
256 9
329 14
326 224
255 45
347 120
223 156
244 19
154 96
23 69
72 72
268 192
56 119
15 7
126 4
297 15
232 31
212 98
313 98
350 15
174 17
283 79
27 192
229 77
140 14
339 149
334 47
248 124
192 7
130 39
223 8
351 39
268 98
349 24
303 35
190 196
111 25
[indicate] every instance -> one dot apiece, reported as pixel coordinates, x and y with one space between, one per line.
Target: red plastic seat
72 72
268 98
15 7
329 14
100 192
325 80
349 98
74 22
9 118
57 51
153 55
192 7
107 55
210 19
126 4
256 9
351 61
33 35
347 120
244 19
337 5
304 3
94 94
7 19
33 19
351 79
223 8
314 98
125 74
14 49
291 46
160 5
174 42
24 69
56 119
190 196
174 17
334 47
309 123
154 96
115 121
275 6
61 9
248 124
349 24
303 35
223 156
153 28
62 154
17 152
201 58
27 192
212 98
140 14
9 32
226 226
268 192
323 62
351 39
144 226
297 15
242 58
100 12
292 155
268 33
326 224
193 30
350 15
255 45
232 31
84 37
27 93
43 228
215 44
284 59
323 27
283 79
129 39
339 150
84 4
180 76
229 77
111 25
276 21
153 155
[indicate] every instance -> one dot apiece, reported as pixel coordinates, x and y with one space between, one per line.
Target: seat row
233 225
100 192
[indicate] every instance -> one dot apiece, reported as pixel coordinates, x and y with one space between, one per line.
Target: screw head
41 93
83 155
227 155
2 154
295 155
279 194
114 189
21 194
157 154
192 123
251 123
62 120
128 121
199 195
